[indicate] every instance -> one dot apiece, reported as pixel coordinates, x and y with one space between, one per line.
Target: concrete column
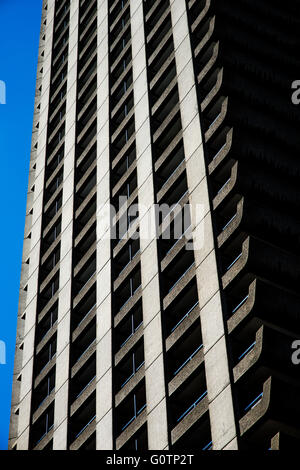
32 239
216 360
65 270
153 339
104 393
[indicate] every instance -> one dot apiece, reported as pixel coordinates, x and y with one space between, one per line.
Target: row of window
47 305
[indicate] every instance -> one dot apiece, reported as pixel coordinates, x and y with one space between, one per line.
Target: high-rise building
180 337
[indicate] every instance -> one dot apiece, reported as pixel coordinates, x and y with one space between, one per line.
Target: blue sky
19 36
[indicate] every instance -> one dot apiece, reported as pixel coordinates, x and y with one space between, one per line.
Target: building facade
133 338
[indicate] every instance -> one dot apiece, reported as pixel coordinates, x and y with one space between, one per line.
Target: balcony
83 423
130 414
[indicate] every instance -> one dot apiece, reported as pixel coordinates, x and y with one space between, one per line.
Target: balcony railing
234 261
229 222
178 240
133 374
188 360
224 185
254 402
173 172
86 283
214 120
247 350
127 264
84 428
86 315
44 399
182 276
44 435
132 295
131 334
219 151
134 417
89 346
208 446
190 409
49 329
240 304
44 367
174 206
185 316
85 387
